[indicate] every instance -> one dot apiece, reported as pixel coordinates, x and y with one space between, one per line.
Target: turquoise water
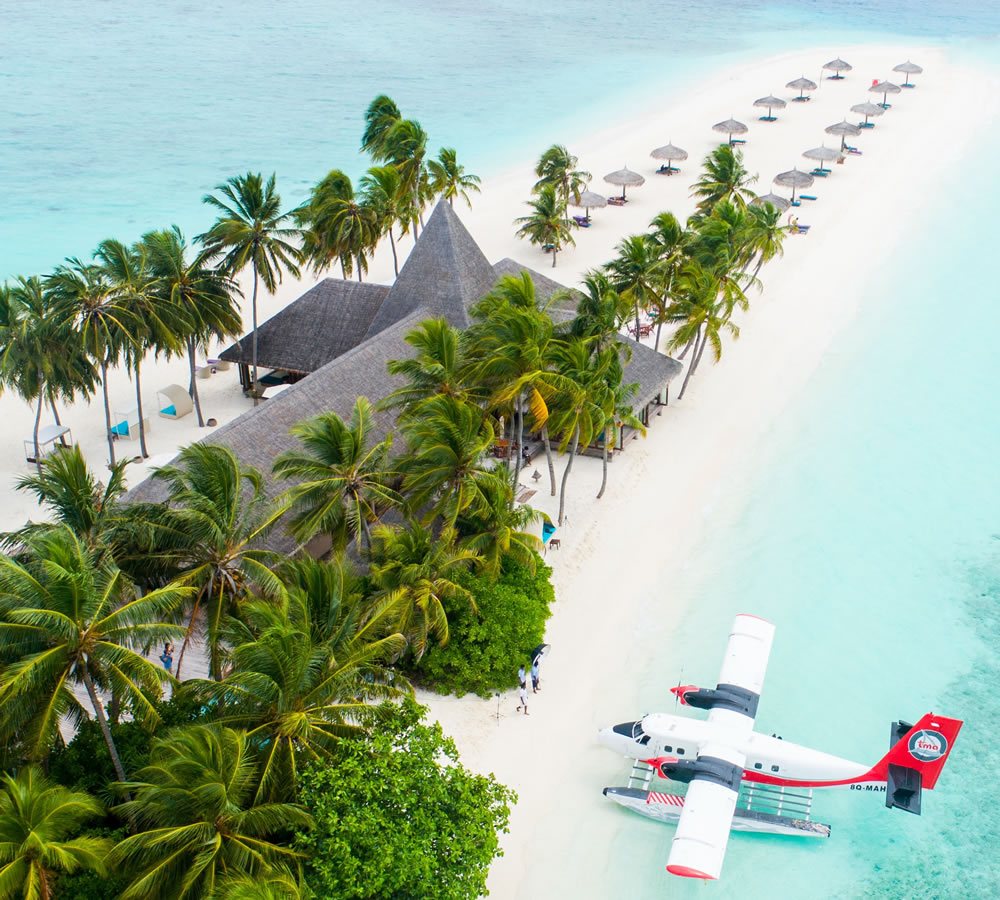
869 533
116 118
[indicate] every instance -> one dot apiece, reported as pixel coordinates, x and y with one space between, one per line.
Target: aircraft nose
617 737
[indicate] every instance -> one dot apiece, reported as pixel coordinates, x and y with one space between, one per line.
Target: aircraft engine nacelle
704 768
723 696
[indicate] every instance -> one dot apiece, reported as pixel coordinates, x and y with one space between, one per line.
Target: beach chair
853 150
173 402
667 170
616 201
807 196
737 141
582 221
768 118
127 424
820 173
802 229
866 124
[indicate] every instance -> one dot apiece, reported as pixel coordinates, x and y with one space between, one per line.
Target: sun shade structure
822 154
867 110
730 127
794 178
908 69
778 202
173 402
771 102
589 200
885 88
625 178
671 154
842 130
801 85
838 67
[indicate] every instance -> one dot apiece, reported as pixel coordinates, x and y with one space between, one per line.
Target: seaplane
739 779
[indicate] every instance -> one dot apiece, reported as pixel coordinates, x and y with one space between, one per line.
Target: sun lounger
667 170
820 173
801 99
801 229
796 203
853 150
768 118
737 141
866 124
174 402
807 196
582 221
616 201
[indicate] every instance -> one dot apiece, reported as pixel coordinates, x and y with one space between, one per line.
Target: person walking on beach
522 692
167 656
535 680
521 675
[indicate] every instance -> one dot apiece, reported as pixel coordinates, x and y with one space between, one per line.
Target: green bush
484 650
396 816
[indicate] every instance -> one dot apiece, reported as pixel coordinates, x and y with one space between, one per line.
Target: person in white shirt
523 694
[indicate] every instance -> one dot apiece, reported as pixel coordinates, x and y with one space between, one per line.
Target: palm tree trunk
690 371
190 630
343 270
687 346
569 465
554 254
637 322
359 269
194 383
138 403
55 411
697 360
256 399
519 412
548 457
107 409
103 721
604 462
38 422
659 326
367 534
395 259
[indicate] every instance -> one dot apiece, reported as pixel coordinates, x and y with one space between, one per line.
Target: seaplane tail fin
923 747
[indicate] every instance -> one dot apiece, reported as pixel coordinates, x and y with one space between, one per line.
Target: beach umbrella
794 178
770 102
867 110
625 177
822 154
778 202
837 66
801 85
843 129
730 127
908 69
670 153
589 200
885 88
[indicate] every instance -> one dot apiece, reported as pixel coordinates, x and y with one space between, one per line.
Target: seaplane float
743 780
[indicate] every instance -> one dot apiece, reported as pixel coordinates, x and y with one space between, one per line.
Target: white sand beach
617 553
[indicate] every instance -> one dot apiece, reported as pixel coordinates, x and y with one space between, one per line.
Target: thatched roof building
342 334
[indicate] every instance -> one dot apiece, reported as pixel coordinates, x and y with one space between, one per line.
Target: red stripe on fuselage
762 778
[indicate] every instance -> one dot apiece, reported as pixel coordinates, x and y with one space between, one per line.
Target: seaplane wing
699 844
747 653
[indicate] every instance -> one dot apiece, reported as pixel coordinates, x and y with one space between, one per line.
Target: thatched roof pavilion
343 355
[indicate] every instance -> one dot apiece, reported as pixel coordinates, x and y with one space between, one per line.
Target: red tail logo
925 747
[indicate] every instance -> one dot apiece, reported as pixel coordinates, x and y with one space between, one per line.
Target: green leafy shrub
485 648
397 816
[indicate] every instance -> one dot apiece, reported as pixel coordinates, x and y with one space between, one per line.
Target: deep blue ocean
870 530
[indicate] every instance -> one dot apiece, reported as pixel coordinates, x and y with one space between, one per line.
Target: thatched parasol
822 154
794 178
670 153
625 177
885 88
730 127
589 200
837 66
770 102
867 110
843 129
801 85
778 202
908 69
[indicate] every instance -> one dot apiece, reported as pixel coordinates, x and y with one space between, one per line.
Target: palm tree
497 532
71 617
251 231
547 225
437 368
600 312
195 802
449 179
702 316
635 273
671 242
154 323
343 485
277 884
204 297
381 115
40 824
556 168
217 515
85 301
413 570
448 442
297 692
619 414
406 146
724 178
38 356
384 195
764 239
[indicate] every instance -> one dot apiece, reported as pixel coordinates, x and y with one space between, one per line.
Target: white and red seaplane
742 780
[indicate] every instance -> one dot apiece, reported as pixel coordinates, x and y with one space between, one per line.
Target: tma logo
928 746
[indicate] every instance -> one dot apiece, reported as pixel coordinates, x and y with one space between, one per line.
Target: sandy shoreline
617 555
